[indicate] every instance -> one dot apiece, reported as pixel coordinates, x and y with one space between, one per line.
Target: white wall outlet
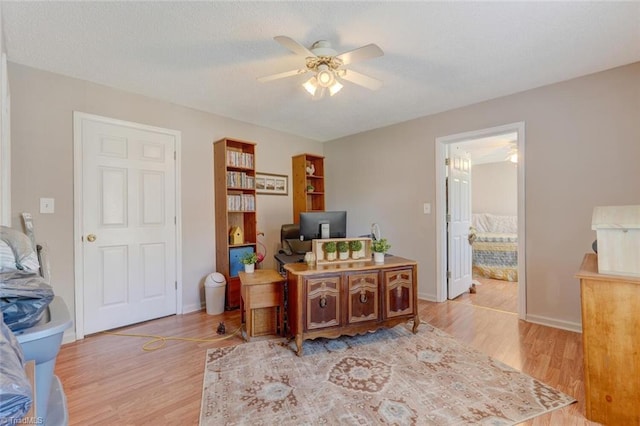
47 205
426 208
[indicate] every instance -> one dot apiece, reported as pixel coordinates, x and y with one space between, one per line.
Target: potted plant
343 250
355 246
249 261
330 250
379 248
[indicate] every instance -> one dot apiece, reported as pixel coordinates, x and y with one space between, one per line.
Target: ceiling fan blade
360 54
294 46
281 75
360 79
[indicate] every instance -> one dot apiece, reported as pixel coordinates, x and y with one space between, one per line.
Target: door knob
91 238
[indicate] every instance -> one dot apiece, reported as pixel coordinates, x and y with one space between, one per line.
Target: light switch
47 205
426 207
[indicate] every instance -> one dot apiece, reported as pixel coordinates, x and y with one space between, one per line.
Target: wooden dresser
350 298
611 344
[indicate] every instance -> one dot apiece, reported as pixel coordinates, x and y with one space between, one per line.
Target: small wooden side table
262 302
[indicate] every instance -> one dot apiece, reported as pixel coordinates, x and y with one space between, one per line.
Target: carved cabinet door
363 297
323 301
398 293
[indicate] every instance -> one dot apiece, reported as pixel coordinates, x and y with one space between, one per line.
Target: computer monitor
313 225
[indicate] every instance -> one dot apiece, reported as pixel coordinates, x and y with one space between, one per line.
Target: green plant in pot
330 250
379 248
343 250
355 246
249 261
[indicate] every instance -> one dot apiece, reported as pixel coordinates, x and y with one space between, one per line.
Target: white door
459 223
128 224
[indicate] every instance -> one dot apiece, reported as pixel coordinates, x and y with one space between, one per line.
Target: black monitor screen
311 224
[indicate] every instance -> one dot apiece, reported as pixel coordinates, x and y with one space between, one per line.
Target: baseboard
69 336
555 323
186 309
428 297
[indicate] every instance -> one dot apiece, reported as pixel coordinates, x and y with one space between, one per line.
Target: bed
495 249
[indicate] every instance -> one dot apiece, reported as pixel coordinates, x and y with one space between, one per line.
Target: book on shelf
240 180
239 159
241 202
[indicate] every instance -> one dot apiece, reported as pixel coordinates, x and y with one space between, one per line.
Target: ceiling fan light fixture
325 76
335 88
311 85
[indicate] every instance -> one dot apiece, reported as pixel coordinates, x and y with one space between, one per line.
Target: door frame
442 144
78 226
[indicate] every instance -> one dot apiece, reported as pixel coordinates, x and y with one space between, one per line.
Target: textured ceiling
207 55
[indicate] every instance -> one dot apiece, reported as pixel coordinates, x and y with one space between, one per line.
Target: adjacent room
319 212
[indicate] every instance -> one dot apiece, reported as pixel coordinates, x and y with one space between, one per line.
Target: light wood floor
494 294
109 380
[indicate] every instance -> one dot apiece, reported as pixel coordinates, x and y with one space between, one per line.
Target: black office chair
290 240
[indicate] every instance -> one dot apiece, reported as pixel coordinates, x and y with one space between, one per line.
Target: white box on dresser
618 234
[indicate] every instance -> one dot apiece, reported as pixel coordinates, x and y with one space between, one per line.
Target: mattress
496 256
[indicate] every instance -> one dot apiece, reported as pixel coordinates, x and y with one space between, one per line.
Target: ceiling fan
327 66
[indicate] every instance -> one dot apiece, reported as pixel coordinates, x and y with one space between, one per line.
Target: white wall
581 151
5 136
42 159
494 188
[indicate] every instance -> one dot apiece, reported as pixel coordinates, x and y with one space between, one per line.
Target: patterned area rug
388 377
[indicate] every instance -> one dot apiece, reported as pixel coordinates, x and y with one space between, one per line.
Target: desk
283 259
331 300
262 302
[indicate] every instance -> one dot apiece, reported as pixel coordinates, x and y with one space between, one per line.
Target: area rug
388 377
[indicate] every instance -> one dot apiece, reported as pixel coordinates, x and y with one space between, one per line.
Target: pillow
16 251
7 259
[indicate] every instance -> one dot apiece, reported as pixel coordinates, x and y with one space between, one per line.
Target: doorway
126 223
443 147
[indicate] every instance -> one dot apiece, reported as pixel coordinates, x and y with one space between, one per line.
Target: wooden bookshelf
308 188
235 206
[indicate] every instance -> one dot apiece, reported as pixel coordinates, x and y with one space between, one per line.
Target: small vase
343 255
378 257
355 255
310 258
331 256
249 268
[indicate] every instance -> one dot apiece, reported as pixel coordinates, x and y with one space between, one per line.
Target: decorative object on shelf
343 250
236 236
249 261
318 248
310 258
272 184
379 248
311 169
310 188
356 247
330 249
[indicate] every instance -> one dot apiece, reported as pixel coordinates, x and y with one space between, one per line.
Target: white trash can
214 288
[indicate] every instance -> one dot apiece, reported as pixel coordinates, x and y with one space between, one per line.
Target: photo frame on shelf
272 184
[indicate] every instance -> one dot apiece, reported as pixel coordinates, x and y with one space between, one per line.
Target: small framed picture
268 183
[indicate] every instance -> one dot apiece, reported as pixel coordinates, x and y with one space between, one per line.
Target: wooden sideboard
331 300
611 344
